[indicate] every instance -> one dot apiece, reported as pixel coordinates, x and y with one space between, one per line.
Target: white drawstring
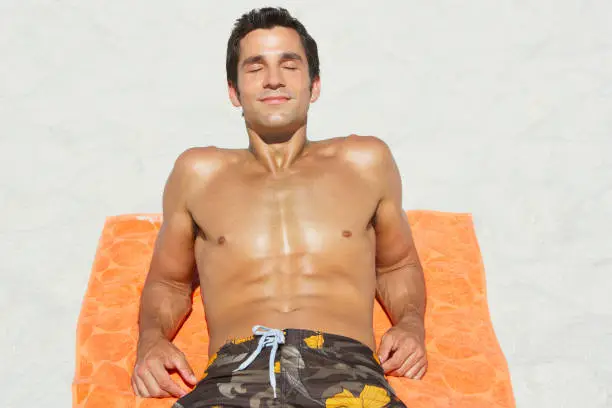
269 338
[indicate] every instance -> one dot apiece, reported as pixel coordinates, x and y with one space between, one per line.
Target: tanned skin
287 233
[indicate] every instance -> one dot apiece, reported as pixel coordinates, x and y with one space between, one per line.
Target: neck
277 153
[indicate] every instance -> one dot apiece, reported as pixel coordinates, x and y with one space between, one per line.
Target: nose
274 79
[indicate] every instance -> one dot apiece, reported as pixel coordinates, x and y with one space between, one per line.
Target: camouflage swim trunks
292 368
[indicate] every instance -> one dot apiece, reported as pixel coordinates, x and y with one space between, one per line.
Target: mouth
275 100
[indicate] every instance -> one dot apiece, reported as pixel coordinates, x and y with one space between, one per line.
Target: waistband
295 336
264 337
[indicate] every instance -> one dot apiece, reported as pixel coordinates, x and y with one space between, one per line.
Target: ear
234 95
315 90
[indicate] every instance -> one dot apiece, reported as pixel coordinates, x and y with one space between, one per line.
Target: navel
347 234
221 240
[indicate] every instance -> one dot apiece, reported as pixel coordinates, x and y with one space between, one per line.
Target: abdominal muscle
301 291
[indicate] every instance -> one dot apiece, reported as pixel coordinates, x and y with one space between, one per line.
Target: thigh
221 386
205 394
247 388
343 372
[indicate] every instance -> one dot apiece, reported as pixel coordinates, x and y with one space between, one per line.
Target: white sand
501 109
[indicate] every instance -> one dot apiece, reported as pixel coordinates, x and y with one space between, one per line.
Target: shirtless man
292 240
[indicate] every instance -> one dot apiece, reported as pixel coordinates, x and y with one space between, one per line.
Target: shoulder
193 172
197 168
373 160
366 152
367 143
203 162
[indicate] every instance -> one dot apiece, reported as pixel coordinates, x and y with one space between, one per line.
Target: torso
290 250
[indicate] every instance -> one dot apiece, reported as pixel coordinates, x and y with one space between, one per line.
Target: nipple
347 233
221 240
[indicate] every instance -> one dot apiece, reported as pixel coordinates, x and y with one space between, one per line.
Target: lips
275 100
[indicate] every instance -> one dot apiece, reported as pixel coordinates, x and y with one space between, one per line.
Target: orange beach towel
467 368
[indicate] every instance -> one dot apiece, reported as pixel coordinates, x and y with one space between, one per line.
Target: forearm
163 308
401 291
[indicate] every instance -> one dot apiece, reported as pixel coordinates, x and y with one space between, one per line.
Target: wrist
413 322
148 335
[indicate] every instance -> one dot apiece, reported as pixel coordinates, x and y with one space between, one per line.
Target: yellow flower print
211 360
242 339
277 367
314 341
371 397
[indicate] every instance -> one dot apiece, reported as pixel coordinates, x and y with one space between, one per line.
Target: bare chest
303 212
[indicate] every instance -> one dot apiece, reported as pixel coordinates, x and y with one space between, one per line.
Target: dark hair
266 18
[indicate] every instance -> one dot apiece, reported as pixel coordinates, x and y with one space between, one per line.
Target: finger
165 383
386 346
152 386
408 364
414 369
397 359
134 386
180 363
134 389
421 373
142 389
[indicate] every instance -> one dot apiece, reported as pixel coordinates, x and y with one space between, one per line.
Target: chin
277 122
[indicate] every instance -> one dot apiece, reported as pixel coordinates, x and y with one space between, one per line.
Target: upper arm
173 260
394 241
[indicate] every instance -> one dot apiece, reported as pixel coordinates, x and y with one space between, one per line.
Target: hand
151 378
402 352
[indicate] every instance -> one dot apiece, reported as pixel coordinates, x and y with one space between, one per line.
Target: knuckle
408 348
155 390
178 360
166 360
151 363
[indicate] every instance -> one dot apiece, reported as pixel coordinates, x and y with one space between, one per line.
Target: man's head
271 55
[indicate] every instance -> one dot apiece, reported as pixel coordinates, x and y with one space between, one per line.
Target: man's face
273 81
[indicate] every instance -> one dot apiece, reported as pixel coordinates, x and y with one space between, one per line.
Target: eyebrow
285 56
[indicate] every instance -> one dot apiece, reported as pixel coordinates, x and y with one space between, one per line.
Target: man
291 240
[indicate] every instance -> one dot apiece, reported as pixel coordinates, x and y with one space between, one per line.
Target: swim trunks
292 368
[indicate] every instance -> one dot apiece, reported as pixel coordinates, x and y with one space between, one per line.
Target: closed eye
291 65
254 68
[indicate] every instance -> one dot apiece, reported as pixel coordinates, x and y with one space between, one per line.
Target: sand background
501 109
